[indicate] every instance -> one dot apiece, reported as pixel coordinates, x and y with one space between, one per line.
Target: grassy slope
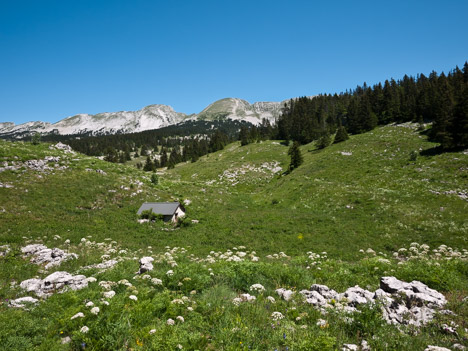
373 198
336 203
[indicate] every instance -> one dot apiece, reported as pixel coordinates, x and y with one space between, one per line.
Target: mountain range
149 117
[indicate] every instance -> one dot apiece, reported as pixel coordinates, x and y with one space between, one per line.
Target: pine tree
459 130
163 159
36 138
296 156
341 135
244 136
324 141
111 155
149 165
154 179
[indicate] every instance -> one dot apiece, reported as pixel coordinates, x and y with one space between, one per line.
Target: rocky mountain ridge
149 117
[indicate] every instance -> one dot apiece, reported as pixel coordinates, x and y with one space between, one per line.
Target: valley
351 214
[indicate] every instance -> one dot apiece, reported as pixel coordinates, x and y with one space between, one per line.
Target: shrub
341 135
36 139
149 214
324 141
154 179
413 156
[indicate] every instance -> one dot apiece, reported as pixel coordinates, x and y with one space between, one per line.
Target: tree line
438 98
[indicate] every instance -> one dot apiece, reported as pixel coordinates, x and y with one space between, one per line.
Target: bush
341 135
296 156
36 139
324 141
154 179
413 156
149 214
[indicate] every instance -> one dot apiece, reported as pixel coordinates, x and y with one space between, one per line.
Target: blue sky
60 58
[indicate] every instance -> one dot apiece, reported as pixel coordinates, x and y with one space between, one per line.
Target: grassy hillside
362 193
382 190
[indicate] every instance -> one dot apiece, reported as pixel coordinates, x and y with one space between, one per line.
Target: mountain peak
149 117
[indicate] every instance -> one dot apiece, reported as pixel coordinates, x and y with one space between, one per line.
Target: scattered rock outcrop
55 282
436 348
48 163
23 302
41 254
4 250
64 147
285 294
402 303
146 265
103 266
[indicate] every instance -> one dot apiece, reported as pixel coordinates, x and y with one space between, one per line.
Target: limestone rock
51 257
146 265
357 296
55 282
325 291
416 292
23 302
103 266
4 250
402 303
285 294
313 297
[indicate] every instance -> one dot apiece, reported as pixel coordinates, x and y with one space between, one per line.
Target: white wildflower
170 321
257 287
170 272
180 318
276 316
84 329
95 310
109 294
271 299
322 322
133 297
90 304
152 331
248 297
156 281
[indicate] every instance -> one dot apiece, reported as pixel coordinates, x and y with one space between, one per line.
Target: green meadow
383 190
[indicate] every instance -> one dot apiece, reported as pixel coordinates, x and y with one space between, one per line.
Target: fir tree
149 165
244 136
459 129
324 141
296 156
341 135
36 138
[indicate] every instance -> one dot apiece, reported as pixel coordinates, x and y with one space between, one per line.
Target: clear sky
60 58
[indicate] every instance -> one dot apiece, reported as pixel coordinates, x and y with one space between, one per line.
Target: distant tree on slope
296 156
341 135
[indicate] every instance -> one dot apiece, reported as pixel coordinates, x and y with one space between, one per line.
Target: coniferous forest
440 99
